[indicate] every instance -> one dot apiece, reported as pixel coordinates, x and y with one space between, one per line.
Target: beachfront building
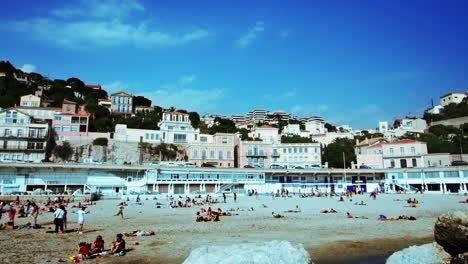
22 138
217 150
254 154
266 133
383 127
258 115
316 125
122 103
452 98
141 108
406 153
291 155
406 126
30 100
72 121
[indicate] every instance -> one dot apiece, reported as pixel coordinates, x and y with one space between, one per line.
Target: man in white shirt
58 221
81 219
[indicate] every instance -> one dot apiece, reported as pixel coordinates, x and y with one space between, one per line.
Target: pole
344 169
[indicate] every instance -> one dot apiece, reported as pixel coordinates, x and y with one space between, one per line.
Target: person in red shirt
84 250
98 246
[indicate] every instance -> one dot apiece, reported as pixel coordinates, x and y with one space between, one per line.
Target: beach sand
329 238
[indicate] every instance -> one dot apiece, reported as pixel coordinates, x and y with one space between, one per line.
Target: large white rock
425 254
273 252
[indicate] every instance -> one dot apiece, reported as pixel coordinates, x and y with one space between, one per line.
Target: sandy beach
329 238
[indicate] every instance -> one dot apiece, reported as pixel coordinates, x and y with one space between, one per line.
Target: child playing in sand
120 212
83 251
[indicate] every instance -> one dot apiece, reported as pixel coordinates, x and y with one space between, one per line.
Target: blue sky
352 62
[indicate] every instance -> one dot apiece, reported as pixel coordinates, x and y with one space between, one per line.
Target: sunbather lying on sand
297 210
276 215
139 233
348 215
331 211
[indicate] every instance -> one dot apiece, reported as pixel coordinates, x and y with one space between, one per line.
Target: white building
383 127
330 137
452 98
238 118
22 138
292 129
122 103
45 113
209 120
30 100
366 155
406 126
296 154
257 115
267 133
315 125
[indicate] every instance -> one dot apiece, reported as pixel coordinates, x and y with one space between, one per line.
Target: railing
30 136
275 155
250 154
17 148
394 155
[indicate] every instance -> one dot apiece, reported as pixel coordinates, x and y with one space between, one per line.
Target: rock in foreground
425 254
273 252
451 232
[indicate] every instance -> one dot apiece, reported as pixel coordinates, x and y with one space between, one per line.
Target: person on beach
83 251
35 212
81 219
118 245
11 213
120 212
224 197
98 246
200 218
235 197
348 215
65 218
58 221
275 215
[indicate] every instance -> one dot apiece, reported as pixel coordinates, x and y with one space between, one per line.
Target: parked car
258 167
315 167
298 168
459 163
91 161
208 165
19 193
364 167
170 164
248 167
190 165
276 166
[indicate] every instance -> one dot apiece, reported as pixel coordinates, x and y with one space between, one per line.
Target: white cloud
182 96
115 87
245 40
103 24
28 68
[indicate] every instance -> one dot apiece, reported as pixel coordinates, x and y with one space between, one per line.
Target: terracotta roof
177 113
104 100
266 127
319 135
43 108
368 141
302 130
404 141
93 86
65 101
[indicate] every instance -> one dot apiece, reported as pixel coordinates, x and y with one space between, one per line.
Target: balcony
23 136
403 155
275 155
257 154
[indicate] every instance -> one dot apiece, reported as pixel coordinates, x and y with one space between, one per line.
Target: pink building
255 154
217 150
72 121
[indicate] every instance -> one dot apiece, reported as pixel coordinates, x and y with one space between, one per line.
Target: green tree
64 151
100 141
333 153
296 139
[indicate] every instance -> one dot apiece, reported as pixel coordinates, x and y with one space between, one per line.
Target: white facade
46 113
30 100
383 127
450 98
407 125
176 128
315 125
21 137
292 129
296 154
122 103
330 137
257 115
267 133
209 121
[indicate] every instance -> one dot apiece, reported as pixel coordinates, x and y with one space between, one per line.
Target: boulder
424 254
451 232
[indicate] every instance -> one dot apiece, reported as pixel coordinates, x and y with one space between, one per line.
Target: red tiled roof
266 127
93 86
319 135
404 141
177 113
302 130
369 141
104 100
65 101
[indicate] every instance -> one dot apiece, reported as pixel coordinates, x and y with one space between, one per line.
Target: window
203 139
220 155
195 153
66 128
228 155
212 154
58 128
300 150
68 108
290 150
295 150
146 136
250 151
74 128
157 136
224 140
402 150
152 136
415 163
391 150
284 151
306 150
413 150
203 154
180 138
20 132
392 164
7 132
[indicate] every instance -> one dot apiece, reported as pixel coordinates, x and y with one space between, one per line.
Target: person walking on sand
120 212
224 197
235 197
35 213
58 221
81 219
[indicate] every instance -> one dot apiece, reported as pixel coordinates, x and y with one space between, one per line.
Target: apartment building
44 113
255 154
217 149
305 155
22 138
122 103
30 100
266 133
315 125
257 115
72 121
